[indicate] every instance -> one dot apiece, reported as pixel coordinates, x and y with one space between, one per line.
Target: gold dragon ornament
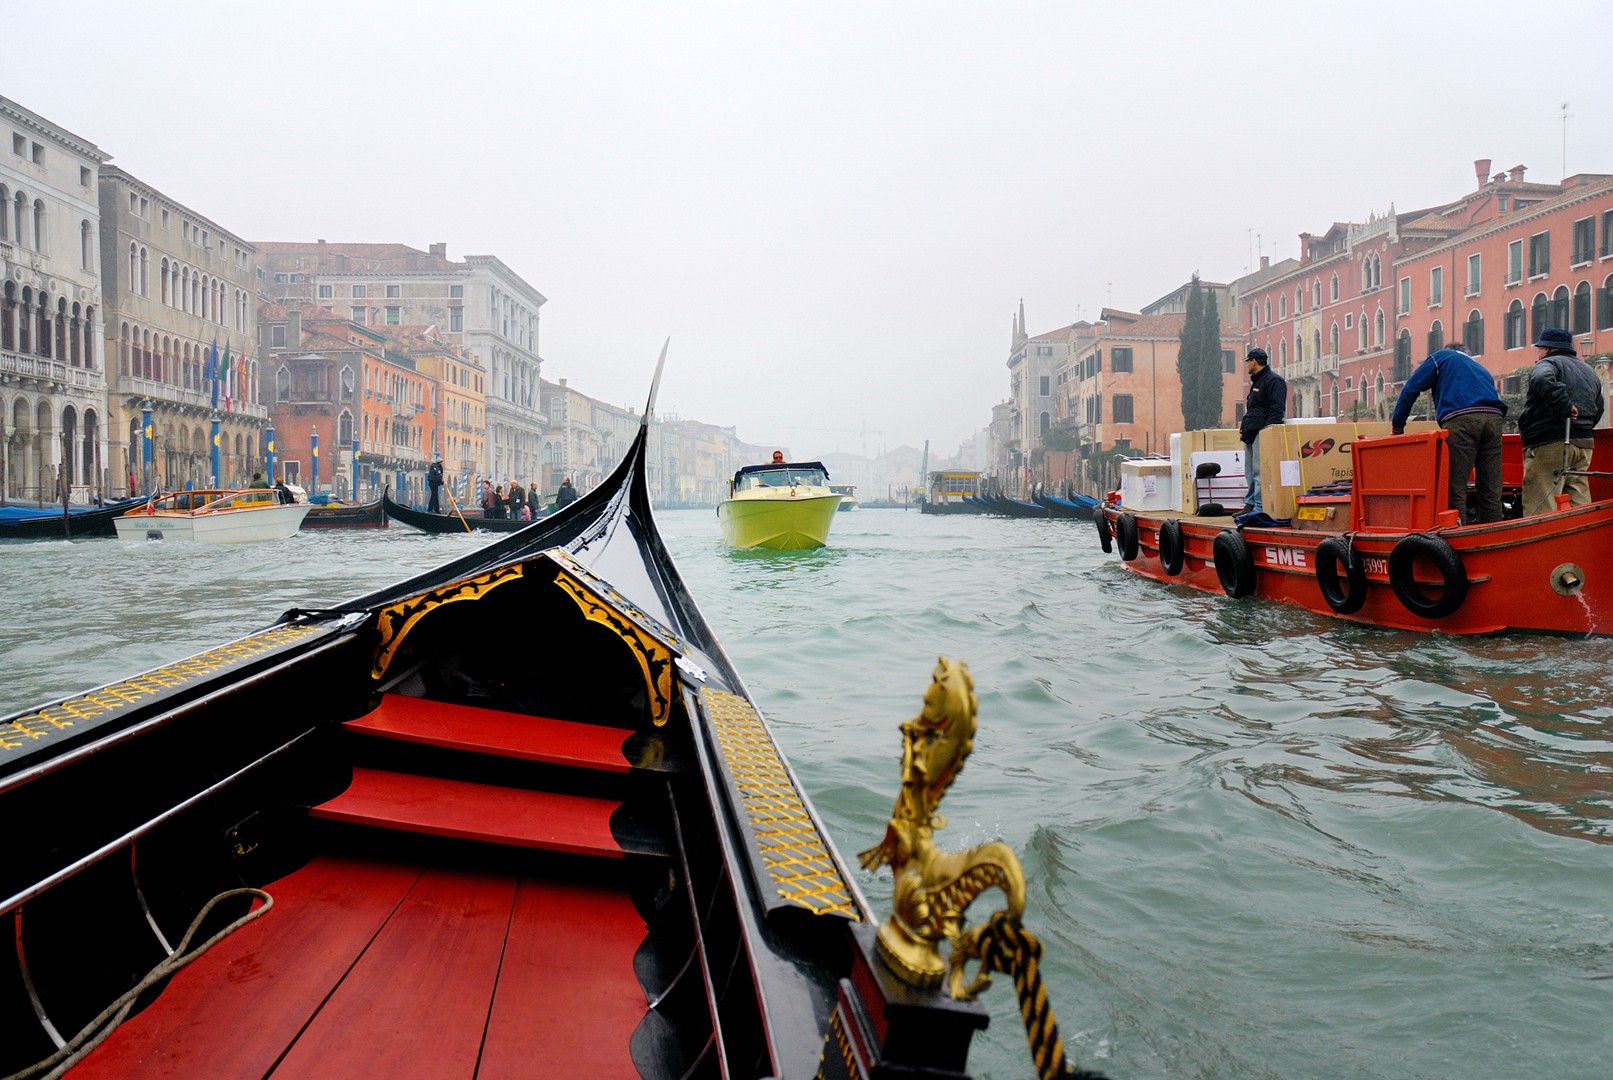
933 887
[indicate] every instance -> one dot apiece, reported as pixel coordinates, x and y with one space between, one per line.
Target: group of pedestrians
510 503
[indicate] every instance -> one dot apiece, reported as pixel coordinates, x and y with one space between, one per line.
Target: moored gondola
515 816
28 523
370 515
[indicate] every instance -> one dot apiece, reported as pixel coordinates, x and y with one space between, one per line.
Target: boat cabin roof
792 467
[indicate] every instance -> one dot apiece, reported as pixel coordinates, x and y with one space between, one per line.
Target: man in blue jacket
1467 406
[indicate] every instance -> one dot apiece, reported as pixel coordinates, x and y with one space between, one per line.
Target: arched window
145 261
1473 333
1299 349
86 245
1316 343
19 218
1282 306
1316 302
1403 356
1333 290
1299 299
40 239
134 267
1582 308
1377 329
1378 388
1436 336
1513 336
1282 352
1557 315
1604 309
1361 333
1268 309
1333 339
5 217
282 384
1537 316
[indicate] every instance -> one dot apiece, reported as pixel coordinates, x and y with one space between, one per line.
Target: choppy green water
1260 843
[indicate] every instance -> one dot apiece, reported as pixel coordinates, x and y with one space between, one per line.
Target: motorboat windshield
793 475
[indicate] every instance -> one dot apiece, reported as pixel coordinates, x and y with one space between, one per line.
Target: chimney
1515 174
1481 169
440 250
320 262
1265 262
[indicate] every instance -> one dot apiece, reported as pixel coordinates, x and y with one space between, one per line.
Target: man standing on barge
1266 404
1468 408
1563 405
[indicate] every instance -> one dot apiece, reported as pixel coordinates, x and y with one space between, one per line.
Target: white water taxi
214 517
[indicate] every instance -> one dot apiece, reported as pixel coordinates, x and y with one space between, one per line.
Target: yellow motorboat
783 505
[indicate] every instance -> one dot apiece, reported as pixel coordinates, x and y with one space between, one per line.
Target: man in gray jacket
1563 405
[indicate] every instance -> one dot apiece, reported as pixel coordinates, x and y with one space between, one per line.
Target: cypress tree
1198 360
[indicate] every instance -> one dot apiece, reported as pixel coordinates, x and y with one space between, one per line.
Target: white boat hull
239 526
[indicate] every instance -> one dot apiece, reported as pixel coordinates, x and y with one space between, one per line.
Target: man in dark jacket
1266 404
434 482
1563 405
566 495
1468 408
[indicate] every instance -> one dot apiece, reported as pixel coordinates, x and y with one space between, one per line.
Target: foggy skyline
833 210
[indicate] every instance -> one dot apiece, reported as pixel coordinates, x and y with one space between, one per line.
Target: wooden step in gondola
491 813
492 731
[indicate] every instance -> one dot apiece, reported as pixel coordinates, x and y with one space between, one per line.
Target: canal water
1260 843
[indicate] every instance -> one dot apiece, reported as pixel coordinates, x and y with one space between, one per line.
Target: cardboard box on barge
1302 453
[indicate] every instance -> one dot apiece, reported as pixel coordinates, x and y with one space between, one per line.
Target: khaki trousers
1544 479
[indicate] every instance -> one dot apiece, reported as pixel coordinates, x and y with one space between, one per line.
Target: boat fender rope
1126 533
1453 572
96 1031
1331 554
1005 945
1172 547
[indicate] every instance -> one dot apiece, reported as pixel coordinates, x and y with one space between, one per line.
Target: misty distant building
52 371
479 304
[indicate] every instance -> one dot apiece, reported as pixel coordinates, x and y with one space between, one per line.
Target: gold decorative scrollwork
654 658
396 620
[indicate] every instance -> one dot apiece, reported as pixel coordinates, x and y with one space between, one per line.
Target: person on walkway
258 481
1468 408
434 482
489 500
517 500
534 501
1563 404
566 495
1266 404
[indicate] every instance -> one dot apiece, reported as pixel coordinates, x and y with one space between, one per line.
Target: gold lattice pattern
837 1039
787 840
24 730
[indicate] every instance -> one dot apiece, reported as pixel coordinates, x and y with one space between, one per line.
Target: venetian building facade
52 373
1032 364
479 305
177 285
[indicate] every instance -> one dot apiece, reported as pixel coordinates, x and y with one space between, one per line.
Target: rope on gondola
1005 945
96 1031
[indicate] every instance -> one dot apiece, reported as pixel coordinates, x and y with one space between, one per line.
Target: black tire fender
1105 537
1453 572
1126 533
1345 597
1234 563
1172 547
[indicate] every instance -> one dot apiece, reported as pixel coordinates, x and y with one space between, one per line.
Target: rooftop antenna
1566 115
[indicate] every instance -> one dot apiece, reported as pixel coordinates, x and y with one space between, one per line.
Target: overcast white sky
833 209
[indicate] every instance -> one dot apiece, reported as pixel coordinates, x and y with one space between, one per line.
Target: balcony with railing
46 369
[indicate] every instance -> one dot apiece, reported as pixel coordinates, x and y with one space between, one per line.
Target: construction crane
863 431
